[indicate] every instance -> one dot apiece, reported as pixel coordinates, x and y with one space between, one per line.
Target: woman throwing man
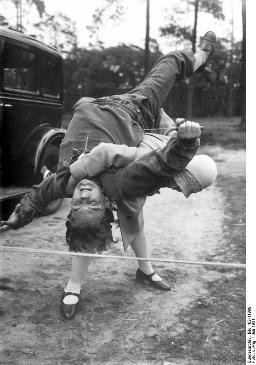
123 166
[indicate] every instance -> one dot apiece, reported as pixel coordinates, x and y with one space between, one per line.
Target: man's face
88 203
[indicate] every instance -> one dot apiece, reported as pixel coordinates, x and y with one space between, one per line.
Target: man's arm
154 169
100 158
62 184
51 188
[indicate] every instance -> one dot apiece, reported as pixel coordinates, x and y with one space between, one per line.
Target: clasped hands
187 129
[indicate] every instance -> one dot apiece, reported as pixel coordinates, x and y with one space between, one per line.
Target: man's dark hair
89 238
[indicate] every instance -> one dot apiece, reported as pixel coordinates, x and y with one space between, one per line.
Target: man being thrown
131 173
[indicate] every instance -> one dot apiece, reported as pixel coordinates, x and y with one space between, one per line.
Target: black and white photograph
123 183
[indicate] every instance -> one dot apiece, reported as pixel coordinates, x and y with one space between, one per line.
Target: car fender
52 136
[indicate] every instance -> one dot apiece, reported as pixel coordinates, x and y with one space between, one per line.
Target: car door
31 99
18 97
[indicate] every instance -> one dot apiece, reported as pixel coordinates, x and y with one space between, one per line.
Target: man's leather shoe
68 311
142 278
207 44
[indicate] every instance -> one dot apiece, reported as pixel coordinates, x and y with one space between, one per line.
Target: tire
50 159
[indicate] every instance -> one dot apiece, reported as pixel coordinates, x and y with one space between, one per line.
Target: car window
19 69
50 84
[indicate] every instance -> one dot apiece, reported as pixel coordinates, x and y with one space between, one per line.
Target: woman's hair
88 238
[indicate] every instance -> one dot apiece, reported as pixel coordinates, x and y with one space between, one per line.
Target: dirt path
200 321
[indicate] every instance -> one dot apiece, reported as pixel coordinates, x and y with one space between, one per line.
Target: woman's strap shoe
68 311
142 278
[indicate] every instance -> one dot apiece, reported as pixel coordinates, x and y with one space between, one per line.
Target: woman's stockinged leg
140 248
72 290
79 267
146 271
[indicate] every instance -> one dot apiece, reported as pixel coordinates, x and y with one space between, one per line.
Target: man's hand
18 219
187 129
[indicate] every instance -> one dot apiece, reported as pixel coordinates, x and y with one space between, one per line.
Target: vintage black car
31 102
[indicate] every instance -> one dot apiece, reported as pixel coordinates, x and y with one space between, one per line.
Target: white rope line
164 129
101 256
152 130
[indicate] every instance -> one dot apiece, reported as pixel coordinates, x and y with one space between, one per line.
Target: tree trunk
18 15
243 74
195 26
191 81
231 70
146 62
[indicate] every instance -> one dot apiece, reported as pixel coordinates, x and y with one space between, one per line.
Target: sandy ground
201 321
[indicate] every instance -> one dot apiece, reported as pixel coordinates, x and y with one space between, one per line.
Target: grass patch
225 132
